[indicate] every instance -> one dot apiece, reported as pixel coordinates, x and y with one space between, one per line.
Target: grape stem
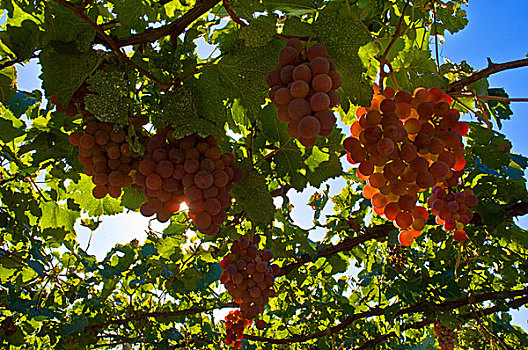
233 15
486 72
175 28
113 45
493 98
485 120
397 33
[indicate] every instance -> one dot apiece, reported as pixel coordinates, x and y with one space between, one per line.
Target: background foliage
140 58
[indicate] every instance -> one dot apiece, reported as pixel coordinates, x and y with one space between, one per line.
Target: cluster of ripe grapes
405 144
191 169
302 87
106 156
452 210
446 336
248 277
235 324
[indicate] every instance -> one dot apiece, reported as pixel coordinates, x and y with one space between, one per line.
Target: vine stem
488 123
396 35
113 45
232 14
486 72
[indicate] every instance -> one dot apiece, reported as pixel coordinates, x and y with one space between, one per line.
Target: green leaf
11 127
132 15
272 127
253 196
241 74
291 7
63 25
57 216
63 73
132 198
81 193
8 78
22 40
260 31
343 36
111 102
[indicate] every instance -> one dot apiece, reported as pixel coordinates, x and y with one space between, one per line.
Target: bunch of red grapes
235 324
405 144
191 169
446 336
452 210
249 277
106 156
303 90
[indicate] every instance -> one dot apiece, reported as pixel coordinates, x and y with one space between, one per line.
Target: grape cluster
405 144
302 87
106 156
452 210
446 336
249 277
397 258
191 169
235 324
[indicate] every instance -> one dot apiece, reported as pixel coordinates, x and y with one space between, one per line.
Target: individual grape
299 108
302 72
321 83
404 220
286 74
337 80
296 44
153 181
75 138
317 50
203 179
319 101
288 55
319 65
309 127
87 141
164 169
406 238
299 89
282 96
99 191
273 78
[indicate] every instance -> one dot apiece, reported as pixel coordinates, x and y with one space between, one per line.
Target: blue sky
496 29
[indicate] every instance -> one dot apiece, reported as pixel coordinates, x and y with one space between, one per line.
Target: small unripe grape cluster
446 336
106 156
303 88
191 169
397 257
405 144
235 323
452 210
249 276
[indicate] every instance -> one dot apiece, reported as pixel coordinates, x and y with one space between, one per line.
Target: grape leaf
57 216
133 15
11 127
272 127
132 198
291 7
63 73
241 74
259 32
81 193
289 163
253 196
62 25
343 36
